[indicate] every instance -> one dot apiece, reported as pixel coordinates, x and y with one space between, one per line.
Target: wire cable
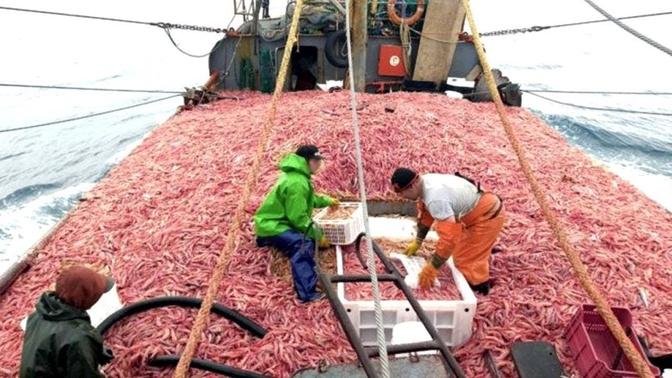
605 20
630 30
618 110
596 92
578 23
163 25
170 36
87 115
112 19
38 86
370 262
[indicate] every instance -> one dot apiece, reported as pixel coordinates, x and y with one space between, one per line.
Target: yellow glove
427 276
413 248
323 243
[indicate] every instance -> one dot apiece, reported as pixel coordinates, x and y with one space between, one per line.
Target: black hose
358 252
148 304
172 360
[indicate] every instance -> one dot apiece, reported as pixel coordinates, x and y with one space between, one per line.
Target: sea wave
27 193
23 224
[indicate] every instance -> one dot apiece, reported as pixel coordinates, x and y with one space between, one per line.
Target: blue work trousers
300 250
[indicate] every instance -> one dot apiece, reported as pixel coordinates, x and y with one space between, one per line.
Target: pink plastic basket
596 352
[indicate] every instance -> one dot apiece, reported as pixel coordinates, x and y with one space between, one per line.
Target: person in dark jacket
60 340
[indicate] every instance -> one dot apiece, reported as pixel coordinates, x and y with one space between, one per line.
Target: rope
162 25
405 36
427 36
38 86
88 115
370 262
630 30
541 28
618 110
223 259
572 255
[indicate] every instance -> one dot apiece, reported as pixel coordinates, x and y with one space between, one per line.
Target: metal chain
168 25
515 31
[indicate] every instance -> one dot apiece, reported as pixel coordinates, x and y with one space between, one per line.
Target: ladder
242 9
392 274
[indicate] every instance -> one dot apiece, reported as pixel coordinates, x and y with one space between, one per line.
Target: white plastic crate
342 231
453 319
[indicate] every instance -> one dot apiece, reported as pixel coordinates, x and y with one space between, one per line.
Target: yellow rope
601 303
223 259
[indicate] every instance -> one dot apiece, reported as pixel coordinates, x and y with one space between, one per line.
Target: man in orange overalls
467 220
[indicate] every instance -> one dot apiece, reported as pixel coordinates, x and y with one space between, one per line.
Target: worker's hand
335 203
427 276
413 248
323 243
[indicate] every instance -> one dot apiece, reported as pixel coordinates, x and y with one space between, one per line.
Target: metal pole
359 38
346 324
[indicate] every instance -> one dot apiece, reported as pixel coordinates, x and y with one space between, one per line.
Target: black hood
53 309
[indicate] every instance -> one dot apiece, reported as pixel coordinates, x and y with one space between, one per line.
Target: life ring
395 19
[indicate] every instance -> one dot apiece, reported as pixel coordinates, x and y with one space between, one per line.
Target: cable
80 16
605 20
38 86
88 115
531 91
618 110
41 86
167 30
541 28
630 30
163 25
370 262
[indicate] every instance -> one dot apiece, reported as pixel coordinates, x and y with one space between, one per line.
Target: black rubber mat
536 359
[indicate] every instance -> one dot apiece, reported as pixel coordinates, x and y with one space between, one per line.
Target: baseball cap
402 178
309 152
81 287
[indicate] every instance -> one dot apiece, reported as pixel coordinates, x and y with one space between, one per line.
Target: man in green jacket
284 219
60 340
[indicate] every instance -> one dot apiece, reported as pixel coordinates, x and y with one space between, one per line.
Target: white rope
370 262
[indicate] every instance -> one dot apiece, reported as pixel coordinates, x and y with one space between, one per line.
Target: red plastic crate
596 352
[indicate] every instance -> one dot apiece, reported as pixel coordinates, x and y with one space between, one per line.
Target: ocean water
44 171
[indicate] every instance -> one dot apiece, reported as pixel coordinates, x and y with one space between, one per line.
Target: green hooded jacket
60 342
290 203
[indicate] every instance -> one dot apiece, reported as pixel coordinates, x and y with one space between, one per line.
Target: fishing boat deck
160 218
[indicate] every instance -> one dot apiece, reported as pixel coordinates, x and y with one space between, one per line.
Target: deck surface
160 218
